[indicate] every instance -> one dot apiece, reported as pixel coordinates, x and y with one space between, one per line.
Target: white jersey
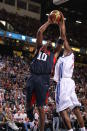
64 67
65 90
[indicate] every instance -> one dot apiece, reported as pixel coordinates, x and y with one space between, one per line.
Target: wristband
60 41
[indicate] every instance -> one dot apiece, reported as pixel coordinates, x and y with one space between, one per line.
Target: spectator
13 78
55 120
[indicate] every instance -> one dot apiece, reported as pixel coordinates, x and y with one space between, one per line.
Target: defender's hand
49 20
61 22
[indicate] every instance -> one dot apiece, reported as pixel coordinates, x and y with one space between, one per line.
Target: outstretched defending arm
59 44
63 34
58 47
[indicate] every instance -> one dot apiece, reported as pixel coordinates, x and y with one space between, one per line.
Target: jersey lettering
42 56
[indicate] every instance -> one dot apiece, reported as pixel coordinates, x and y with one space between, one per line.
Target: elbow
63 37
40 31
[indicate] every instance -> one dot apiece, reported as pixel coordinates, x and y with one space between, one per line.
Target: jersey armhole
53 67
54 60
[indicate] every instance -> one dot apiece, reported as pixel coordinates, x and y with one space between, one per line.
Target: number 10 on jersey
42 56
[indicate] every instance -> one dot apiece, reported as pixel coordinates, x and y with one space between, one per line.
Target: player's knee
76 108
65 117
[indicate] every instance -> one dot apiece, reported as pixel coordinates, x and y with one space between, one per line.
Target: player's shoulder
72 54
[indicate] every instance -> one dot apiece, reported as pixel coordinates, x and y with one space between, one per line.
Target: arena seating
13 93
24 25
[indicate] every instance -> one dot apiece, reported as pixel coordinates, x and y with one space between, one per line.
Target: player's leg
63 91
40 104
29 90
66 119
77 112
41 92
42 118
76 109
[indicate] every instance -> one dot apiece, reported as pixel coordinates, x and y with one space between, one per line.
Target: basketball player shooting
65 89
40 68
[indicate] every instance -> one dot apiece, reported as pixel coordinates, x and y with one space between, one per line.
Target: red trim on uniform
54 62
46 100
33 99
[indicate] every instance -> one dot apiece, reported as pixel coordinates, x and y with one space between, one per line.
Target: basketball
55 16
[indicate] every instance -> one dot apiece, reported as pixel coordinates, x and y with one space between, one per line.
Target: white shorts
65 95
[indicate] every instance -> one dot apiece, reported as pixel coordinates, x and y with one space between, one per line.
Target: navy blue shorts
39 85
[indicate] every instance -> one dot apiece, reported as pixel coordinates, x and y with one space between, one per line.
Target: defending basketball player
65 89
41 67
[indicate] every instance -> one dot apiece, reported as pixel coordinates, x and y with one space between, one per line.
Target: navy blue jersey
43 62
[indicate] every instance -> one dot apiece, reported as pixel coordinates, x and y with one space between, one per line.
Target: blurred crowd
27 26
13 79
21 24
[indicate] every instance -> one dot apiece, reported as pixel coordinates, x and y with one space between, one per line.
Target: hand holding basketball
55 16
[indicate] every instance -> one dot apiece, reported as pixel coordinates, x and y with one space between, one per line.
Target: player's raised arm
59 44
58 48
41 31
63 34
